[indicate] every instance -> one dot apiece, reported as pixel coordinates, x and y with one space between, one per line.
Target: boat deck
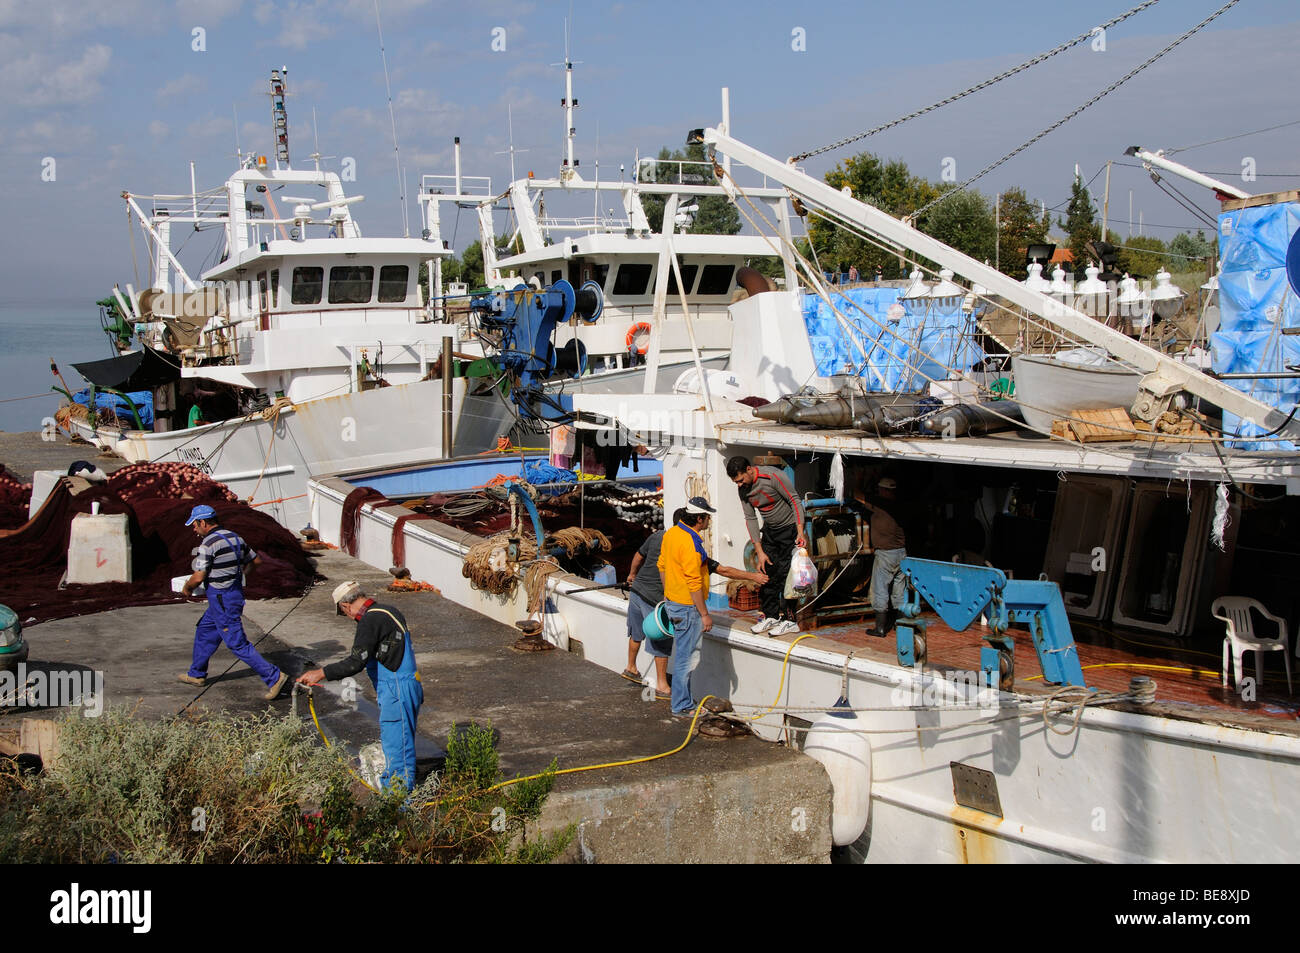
1188 684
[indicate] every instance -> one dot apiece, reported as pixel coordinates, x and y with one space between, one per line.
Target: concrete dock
26 452
736 800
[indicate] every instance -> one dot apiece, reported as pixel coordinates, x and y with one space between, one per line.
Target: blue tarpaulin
142 399
1255 303
903 354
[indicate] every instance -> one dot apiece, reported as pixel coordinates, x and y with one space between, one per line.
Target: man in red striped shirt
766 492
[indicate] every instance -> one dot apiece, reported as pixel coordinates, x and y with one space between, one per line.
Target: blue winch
961 593
526 320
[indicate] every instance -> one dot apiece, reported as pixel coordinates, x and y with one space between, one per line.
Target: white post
690 323
726 125
459 190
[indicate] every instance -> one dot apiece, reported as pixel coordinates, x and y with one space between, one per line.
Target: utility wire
978 86
1240 135
1074 112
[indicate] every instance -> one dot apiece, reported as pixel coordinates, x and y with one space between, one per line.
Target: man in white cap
684 566
890 545
219 563
382 647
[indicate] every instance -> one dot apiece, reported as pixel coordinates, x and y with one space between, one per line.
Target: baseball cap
345 592
698 504
888 483
200 512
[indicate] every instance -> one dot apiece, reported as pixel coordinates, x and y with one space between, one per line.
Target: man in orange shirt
683 564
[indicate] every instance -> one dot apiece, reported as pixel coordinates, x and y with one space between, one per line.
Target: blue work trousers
687 632
400 696
223 622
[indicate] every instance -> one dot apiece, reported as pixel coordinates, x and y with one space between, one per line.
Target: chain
976 88
1061 122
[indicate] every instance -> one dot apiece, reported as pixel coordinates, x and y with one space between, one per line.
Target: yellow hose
311 704
784 665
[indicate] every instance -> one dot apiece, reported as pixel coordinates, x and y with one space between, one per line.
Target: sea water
32 334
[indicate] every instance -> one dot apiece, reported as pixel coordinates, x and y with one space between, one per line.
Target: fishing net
36 555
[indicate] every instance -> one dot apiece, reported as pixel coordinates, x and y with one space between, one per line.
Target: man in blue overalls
383 648
219 564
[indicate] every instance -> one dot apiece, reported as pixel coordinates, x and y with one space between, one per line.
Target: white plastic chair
1234 611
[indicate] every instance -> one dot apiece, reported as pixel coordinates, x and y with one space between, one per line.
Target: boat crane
1164 375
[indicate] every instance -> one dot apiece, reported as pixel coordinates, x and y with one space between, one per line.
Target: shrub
256 789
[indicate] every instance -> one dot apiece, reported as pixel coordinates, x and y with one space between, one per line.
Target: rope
1240 135
1070 115
212 681
1041 57
272 415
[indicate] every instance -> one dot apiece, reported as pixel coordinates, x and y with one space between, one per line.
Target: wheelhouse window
307 285
715 279
275 289
261 291
601 273
688 278
632 279
351 284
392 283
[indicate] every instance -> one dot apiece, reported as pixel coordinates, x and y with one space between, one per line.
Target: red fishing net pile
35 557
14 496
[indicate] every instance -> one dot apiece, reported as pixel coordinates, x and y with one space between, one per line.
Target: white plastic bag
802 577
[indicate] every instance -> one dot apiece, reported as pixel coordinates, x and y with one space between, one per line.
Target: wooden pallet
1095 426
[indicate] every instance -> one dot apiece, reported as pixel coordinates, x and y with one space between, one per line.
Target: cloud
75 16
206 12
158 129
41 79
179 88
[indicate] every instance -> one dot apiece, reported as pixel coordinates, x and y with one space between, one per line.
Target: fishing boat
1083 716
306 347
309 349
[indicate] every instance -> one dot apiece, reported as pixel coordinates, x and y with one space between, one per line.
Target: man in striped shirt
765 491
219 563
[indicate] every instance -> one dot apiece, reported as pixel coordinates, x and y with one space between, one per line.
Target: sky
102 97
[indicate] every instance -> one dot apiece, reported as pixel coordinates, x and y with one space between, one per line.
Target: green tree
890 187
1018 227
1190 248
965 222
1080 222
716 216
1139 257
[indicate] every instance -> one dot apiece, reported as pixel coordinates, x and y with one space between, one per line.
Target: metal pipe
446 398
1191 175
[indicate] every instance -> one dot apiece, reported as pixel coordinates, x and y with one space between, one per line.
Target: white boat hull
1124 788
270 459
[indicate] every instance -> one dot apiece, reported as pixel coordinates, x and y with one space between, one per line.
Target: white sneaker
764 624
784 627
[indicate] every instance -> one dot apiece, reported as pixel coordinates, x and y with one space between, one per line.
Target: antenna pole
1105 203
397 159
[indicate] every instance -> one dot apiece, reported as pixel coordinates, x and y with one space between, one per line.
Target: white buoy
845 753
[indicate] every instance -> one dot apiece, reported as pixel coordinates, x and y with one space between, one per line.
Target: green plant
257 789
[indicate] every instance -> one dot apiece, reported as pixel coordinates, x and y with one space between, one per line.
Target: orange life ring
632 333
